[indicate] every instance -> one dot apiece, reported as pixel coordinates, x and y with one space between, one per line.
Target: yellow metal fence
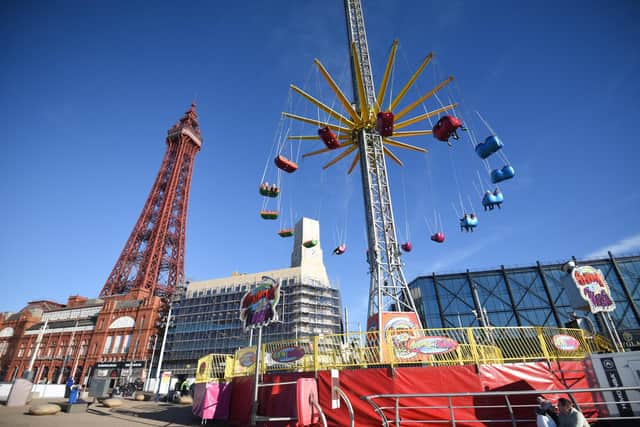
428 347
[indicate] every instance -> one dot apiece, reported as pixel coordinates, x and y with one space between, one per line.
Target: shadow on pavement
160 412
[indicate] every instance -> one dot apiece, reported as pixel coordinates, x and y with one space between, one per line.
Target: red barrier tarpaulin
364 382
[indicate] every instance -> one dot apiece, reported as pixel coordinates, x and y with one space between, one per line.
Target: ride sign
258 305
565 342
593 289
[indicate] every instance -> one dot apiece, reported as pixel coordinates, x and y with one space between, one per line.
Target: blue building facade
523 296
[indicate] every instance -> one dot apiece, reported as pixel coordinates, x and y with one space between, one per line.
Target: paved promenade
131 413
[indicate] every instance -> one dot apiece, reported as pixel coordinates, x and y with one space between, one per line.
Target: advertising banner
258 305
399 330
588 290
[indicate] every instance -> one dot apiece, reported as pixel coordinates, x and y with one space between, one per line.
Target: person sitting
546 413
570 416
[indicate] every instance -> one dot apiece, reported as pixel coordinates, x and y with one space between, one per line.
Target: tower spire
153 256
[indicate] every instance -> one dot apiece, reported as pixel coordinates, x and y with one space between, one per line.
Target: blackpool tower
153 257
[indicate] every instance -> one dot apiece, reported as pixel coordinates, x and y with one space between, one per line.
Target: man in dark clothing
570 416
68 385
184 388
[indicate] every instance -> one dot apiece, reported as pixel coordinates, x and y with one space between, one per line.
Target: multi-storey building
207 319
12 328
523 296
56 341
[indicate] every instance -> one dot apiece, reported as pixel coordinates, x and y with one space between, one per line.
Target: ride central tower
388 291
153 257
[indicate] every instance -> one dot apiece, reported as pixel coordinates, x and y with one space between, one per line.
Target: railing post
397 412
513 417
472 346
543 344
452 413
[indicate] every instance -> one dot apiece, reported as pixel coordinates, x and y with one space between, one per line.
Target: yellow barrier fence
428 347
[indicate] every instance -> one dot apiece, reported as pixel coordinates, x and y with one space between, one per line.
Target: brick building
78 336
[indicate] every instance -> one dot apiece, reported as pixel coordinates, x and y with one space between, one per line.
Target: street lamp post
153 354
164 341
29 372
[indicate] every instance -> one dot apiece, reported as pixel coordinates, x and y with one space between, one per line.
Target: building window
125 345
107 345
116 344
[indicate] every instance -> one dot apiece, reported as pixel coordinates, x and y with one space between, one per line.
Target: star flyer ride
368 128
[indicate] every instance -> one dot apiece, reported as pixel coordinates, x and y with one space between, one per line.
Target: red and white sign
565 342
593 288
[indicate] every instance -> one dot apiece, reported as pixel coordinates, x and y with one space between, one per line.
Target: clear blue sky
89 89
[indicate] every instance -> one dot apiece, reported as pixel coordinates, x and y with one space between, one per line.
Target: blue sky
88 91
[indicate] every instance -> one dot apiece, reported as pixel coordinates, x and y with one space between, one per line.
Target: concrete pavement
131 413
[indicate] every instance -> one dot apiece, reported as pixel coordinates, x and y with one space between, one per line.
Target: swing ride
367 129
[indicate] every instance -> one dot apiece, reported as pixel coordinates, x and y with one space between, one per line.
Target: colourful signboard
246 356
258 305
565 342
398 329
593 288
432 345
287 355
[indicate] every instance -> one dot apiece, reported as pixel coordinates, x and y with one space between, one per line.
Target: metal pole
66 356
617 342
440 309
75 363
164 341
476 300
153 354
135 349
256 380
29 372
632 303
512 300
547 292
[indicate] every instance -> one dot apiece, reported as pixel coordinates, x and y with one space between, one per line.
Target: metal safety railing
426 347
495 408
214 367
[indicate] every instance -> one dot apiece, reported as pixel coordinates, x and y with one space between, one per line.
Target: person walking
184 388
570 416
68 385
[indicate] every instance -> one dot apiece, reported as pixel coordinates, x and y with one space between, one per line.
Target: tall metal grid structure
153 257
388 289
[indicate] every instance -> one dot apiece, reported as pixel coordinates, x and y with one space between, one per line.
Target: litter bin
73 395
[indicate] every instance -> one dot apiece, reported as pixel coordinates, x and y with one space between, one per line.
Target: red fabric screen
356 383
362 382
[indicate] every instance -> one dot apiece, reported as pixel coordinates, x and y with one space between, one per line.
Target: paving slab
131 413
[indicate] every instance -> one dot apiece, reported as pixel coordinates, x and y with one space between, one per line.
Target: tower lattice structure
388 290
153 257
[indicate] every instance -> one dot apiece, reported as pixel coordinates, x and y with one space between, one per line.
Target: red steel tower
153 257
